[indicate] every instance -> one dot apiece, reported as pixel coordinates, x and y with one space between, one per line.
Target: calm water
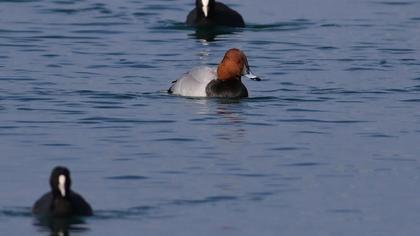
327 144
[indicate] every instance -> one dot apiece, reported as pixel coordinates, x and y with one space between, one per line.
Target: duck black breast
232 88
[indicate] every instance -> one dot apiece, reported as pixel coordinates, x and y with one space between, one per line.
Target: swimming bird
225 82
209 13
61 201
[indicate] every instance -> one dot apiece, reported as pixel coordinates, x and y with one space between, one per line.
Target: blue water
327 143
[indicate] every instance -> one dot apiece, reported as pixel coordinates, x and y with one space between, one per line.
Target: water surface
326 144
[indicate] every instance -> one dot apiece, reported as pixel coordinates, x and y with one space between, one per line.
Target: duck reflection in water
231 119
61 226
211 34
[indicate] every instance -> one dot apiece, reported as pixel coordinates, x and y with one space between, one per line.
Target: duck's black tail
170 90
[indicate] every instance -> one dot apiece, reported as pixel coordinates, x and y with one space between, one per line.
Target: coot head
60 181
205 7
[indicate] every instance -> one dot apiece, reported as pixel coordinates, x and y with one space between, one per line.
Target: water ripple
345 211
127 177
377 135
294 25
207 200
176 140
321 121
398 50
16 212
20 1
303 164
131 212
105 94
82 80
395 3
251 175
413 100
395 159
98 120
283 149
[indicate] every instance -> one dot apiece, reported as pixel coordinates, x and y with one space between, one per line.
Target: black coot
209 13
61 201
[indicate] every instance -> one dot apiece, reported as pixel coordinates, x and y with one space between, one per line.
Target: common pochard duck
223 82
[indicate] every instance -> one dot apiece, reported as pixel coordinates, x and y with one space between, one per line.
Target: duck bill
251 76
205 7
206 11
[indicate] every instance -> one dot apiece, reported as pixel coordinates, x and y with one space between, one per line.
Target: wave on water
16 212
396 3
293 25
127 177
19 1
